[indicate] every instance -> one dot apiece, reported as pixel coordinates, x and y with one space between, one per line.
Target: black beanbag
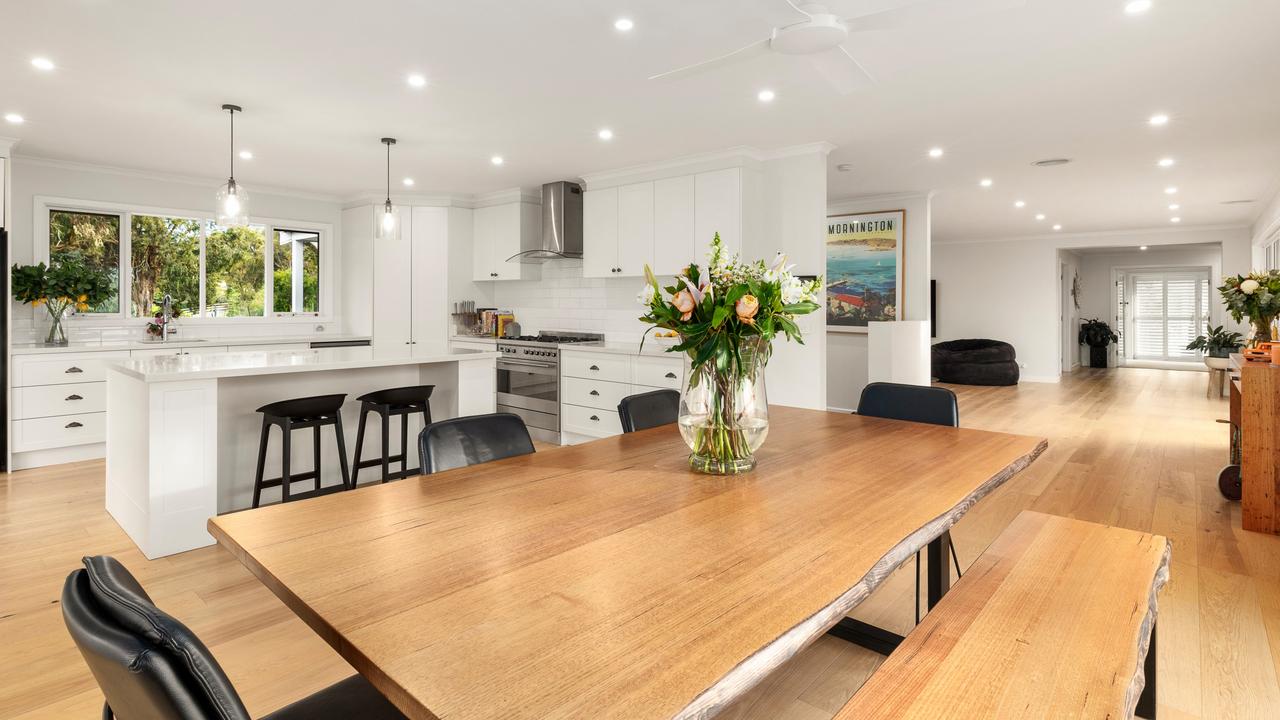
975 362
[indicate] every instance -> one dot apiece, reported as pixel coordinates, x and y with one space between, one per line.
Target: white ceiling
139 85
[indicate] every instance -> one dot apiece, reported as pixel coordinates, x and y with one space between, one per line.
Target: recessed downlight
246 154
497 160
1039 217
14 118
985 182
1158 120
766 95
1057 228
1137 7
1175 220
1175 206
1166 162
1142 247
623 24
1019 204
1171 190
935 153
605 134
42 63
416 80
408 182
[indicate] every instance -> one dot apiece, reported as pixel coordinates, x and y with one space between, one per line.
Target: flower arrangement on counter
1255 296
68 285
727 317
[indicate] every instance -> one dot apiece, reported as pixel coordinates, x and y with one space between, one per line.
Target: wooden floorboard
1135 448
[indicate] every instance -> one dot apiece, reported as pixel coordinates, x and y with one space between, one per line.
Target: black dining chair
149 665
472 440
649 409
913 403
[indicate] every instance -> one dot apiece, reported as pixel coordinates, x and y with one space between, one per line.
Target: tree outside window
164 258
92 238
234 271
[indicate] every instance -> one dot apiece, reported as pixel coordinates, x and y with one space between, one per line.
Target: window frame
327 296
1123 276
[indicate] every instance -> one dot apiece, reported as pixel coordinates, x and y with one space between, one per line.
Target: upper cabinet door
482 244
600 233
718 209
635 229
673 226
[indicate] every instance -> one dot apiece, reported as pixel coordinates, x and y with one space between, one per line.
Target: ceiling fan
821 36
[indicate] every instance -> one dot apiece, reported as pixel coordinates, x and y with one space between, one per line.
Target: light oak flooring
1129 447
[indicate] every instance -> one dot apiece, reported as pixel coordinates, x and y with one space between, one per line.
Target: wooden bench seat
1054 620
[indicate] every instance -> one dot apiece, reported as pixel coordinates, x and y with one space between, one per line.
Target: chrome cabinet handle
593 392
593 417
593 367
73 397
671 375
73 369
73 424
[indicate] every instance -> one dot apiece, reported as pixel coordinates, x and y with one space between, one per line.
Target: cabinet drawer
193 350
62 368
596 366
659 372
52 400
277 347
594 393
56 432
590 421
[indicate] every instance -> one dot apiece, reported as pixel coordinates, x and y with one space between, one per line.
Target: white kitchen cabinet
274 347
600 233
189 350
392 286
718 209
635 229
500 232
673 225
428 312
593 383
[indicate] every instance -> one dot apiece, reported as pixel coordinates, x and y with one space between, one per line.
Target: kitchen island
182 430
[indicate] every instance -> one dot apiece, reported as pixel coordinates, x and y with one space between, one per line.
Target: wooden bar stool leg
315 435
347 480
386 443
285 449
262 462
355 471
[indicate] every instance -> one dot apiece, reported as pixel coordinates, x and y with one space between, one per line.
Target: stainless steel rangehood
561 226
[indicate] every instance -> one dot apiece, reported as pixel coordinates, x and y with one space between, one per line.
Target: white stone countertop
41 348
202 366
652 348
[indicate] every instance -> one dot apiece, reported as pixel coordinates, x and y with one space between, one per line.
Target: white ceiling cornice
1070 239
731 157
169 177
7 144
823 148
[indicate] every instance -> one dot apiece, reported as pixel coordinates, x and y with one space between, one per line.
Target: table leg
1147 700
938 581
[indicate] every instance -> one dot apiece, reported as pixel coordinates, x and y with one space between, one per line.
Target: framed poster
864 269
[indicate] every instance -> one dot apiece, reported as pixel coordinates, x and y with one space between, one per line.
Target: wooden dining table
608 580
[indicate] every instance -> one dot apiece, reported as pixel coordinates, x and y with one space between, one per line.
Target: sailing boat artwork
864 269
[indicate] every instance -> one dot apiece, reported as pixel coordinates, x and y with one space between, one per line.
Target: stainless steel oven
529 380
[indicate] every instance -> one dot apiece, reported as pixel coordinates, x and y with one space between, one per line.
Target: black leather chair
913 403
472 440
650 409
149 665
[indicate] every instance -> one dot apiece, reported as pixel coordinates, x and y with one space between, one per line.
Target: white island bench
182 431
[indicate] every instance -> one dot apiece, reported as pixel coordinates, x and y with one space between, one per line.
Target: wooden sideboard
1255 423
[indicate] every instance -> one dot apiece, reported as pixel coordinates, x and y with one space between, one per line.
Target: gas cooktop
559 338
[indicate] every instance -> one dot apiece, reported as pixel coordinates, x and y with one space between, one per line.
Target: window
233 265
164 258
91 238
1169 310
296 278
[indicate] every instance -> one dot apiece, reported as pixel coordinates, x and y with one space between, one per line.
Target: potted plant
1098 336
1255 296
60 288
727 316
1217 344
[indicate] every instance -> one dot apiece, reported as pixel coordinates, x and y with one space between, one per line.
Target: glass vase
57 328
1262 330
724 413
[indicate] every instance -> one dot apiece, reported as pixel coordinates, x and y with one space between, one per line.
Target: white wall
34 177
847 352
1007 289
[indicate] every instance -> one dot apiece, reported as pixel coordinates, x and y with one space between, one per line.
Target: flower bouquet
727 317
70 284
1255 296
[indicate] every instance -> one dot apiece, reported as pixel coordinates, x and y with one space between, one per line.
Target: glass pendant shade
388 221
232 205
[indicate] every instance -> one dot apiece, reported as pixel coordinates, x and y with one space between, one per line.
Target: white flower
1249 287
793 291
646 295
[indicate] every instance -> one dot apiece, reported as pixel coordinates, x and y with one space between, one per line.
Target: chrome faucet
166 317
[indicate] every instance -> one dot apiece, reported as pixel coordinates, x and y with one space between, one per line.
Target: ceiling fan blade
924 13
750 51
842 70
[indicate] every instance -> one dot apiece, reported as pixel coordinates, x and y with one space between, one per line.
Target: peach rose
683 302
746 308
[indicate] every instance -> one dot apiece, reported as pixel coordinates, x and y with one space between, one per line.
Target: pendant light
232 200
388 221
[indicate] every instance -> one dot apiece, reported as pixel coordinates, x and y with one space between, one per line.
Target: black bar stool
401 401
298 414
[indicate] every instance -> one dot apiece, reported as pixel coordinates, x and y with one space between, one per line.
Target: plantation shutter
1169 310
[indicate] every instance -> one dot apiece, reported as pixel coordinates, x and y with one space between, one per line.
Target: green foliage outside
93 241
165 255
233 271
282 278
